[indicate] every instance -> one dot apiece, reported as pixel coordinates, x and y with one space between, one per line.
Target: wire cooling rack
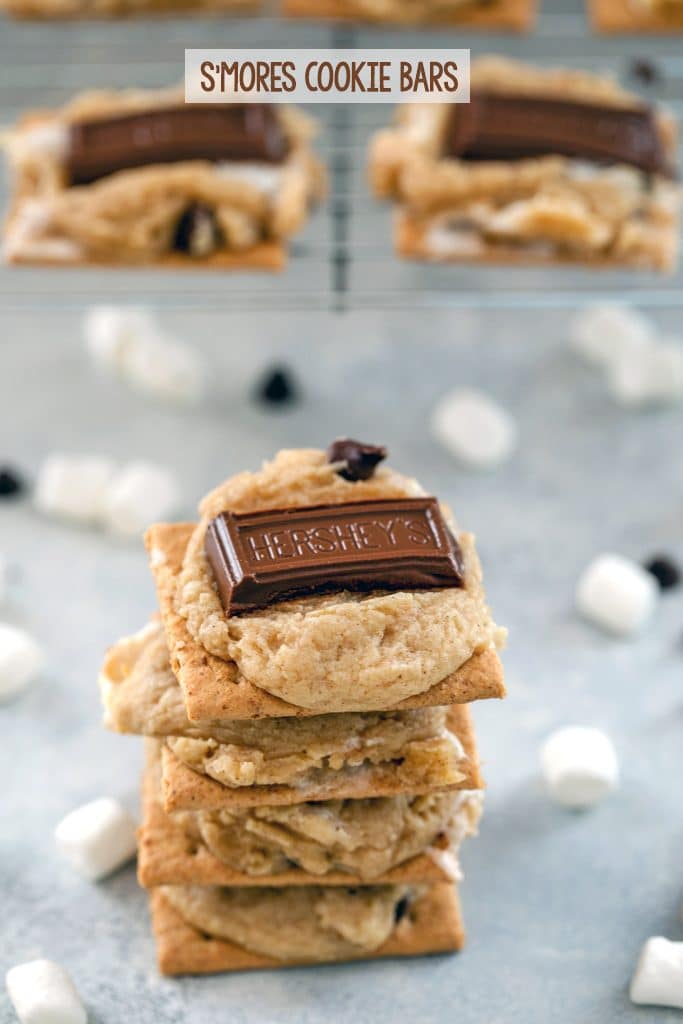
344 259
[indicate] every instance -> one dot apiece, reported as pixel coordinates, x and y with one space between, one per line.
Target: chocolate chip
665 571
644 71
11 483
361 459
277 387
401 909
197 232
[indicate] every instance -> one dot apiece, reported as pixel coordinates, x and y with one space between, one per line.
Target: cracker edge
612 17
187 790
269 256
433 926
210 696
410 244
510 15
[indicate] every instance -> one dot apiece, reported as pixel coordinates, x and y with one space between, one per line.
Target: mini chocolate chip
361 459
11 483
644 71
401 909
197 232
277 387
665 571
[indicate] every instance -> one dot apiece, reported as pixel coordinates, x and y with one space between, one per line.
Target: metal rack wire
344 259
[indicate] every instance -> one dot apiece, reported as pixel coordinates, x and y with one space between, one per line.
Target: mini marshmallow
73 487
110 331
474 428
579 766
616 594
43 993
604 333
21 660
97 838
658 977
165 368
649 375
141 493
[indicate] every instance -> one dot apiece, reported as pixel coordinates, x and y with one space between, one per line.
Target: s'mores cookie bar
317 586
541 167
73 9
505 15
140 178
205 929
658 17
406 838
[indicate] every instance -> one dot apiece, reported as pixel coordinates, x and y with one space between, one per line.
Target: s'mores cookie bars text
497 15
140 178
311 764
541 167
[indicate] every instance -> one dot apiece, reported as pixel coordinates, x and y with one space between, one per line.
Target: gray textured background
557 905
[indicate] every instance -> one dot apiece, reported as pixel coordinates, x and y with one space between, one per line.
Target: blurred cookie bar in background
139 177
541 167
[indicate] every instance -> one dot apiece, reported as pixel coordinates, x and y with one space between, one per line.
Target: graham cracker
211 687
433 925
186 790
34 10
270 256
619 16
496 15
410 242
168 856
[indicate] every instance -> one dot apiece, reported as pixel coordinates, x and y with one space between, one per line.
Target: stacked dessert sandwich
659 17
140 177
311 763
542 166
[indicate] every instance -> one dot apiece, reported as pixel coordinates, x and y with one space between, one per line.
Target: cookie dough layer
67 9
546 209
433 765
339 652
634 16
141 695
511 15
431 923
393 840
130 217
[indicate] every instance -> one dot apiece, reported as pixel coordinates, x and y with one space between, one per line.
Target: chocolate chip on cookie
359 459
197 232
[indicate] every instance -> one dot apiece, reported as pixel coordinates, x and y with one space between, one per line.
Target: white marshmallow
658 977
474 428
604 333
139 494
73 486
649 375
165 368
43 993
110 331
97 838
616 594
579 766
21 660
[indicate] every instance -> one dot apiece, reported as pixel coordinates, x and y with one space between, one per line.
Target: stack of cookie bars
311 763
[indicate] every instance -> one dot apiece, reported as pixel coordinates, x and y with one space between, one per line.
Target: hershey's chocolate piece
167 135
493 126
361 459
261 557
